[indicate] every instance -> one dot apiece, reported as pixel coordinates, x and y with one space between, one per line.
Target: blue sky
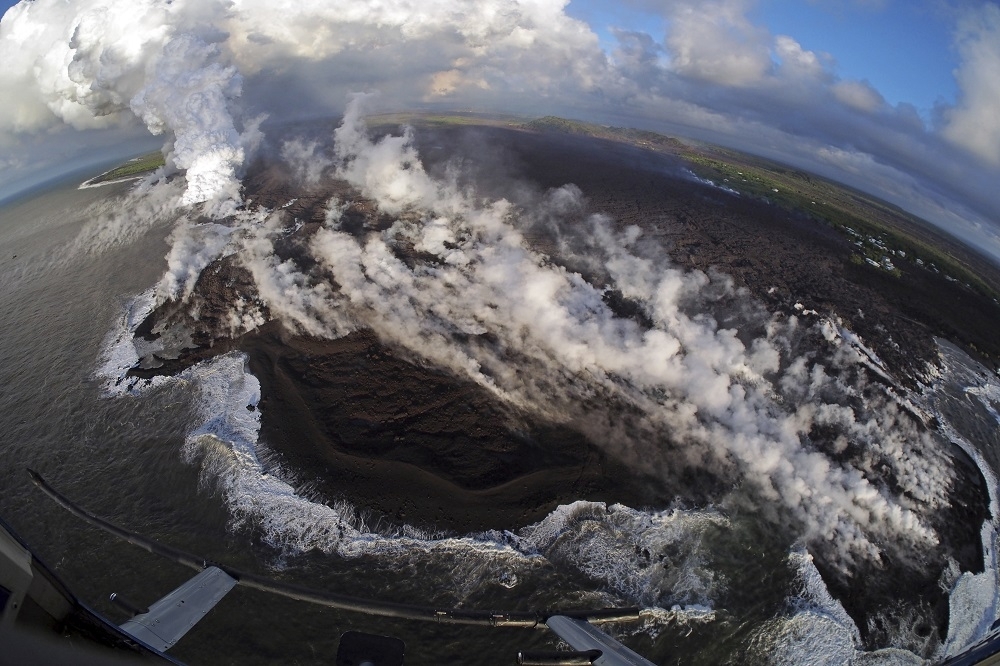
903 48
900 98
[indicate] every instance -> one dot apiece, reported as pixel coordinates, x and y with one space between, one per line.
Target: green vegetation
643 138
879 231
439 119
134 167
885 235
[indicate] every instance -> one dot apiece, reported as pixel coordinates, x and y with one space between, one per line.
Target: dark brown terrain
782 256
334 408
357 419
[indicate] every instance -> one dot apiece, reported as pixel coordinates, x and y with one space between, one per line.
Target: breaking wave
963 383
615 546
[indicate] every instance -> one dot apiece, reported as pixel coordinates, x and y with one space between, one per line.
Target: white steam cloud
189 92
90 63
454 282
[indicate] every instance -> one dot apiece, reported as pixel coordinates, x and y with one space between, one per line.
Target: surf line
487 618
88 184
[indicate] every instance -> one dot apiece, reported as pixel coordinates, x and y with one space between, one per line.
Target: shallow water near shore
178 461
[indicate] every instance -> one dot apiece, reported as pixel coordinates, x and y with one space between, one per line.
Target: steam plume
682 390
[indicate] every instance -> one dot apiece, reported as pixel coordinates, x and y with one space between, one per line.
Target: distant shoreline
88 184
134 169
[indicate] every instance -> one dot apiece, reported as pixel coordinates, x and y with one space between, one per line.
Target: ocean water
178 460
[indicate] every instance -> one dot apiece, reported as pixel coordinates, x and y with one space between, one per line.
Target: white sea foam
88 184
653 620
820 632
617 547
118 354
988 394
974 603
623 548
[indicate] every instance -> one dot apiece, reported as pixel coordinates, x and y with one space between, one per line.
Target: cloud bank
203 73
975 122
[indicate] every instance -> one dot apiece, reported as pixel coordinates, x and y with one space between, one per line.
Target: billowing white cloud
859 95
203 74
716 42
975 122
94 63
179 67
798 61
